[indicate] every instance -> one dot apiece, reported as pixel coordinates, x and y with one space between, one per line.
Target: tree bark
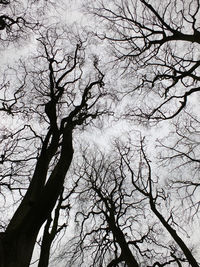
17 243
45 246
126 253
172 232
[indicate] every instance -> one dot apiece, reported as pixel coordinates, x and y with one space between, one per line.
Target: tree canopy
99 133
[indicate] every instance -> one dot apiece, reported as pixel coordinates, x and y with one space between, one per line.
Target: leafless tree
18 20
61 97
124 213
144 182
180 151
156 44
119 196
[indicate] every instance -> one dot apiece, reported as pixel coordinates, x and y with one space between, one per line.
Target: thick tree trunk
126 253
17 243
16 249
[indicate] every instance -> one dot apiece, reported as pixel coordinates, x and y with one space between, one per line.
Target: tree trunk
126 253
16 248
17 243
174 235
46 246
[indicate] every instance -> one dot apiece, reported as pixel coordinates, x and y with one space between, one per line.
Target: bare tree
180 151
18 20
62 98
117 226
156 43
145 185
125 217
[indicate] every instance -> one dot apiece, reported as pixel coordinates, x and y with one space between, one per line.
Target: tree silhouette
58 96
156 44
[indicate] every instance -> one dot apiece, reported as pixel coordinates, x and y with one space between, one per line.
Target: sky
70 14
